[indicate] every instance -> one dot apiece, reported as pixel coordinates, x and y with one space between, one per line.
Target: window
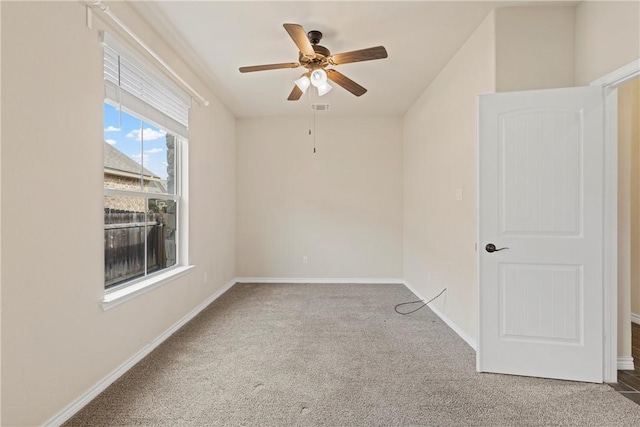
145 129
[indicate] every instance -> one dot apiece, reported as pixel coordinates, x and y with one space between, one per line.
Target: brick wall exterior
131 204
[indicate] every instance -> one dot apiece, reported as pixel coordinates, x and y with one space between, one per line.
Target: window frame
121 292
118 294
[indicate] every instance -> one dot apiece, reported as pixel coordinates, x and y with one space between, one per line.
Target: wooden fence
124 245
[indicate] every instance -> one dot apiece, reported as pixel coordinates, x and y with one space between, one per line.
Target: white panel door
540 197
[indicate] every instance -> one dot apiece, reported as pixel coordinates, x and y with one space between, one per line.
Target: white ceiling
219 37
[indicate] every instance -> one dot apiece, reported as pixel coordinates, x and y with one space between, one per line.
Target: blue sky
150 150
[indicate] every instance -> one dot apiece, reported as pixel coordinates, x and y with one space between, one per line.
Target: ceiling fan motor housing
320 59
321 50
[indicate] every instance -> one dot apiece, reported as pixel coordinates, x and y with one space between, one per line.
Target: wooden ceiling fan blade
269 67
299 37
378 52
344 81
295 94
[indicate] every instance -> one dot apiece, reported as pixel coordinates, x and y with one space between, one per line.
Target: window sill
116 298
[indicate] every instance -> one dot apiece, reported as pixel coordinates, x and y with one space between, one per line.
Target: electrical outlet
305 260
459 194
206 278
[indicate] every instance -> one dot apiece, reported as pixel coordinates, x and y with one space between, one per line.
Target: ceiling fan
316 59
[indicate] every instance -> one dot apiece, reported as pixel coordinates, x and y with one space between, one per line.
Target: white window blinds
138 87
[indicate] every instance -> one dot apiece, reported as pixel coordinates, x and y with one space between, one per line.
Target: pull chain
314 131
312 123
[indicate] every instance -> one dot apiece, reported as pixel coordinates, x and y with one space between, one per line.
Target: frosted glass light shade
318 77
324 88
303 83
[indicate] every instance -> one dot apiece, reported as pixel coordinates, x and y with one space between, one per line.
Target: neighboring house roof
118 163
116 160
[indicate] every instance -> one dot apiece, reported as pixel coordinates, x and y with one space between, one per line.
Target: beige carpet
334 355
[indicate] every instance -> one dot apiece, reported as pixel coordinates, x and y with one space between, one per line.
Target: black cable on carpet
413 302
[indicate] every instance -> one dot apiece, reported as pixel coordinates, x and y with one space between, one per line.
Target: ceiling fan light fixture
324 88
303 83
319 78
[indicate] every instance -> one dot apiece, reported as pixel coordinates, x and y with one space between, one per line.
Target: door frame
610 83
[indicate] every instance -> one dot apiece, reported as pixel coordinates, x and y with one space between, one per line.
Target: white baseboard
635 318
625 363
466 337
450 323
307 280
94 391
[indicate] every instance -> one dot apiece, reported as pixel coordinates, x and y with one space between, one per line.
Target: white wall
607 37
534 48
340 207
57 340
440 157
